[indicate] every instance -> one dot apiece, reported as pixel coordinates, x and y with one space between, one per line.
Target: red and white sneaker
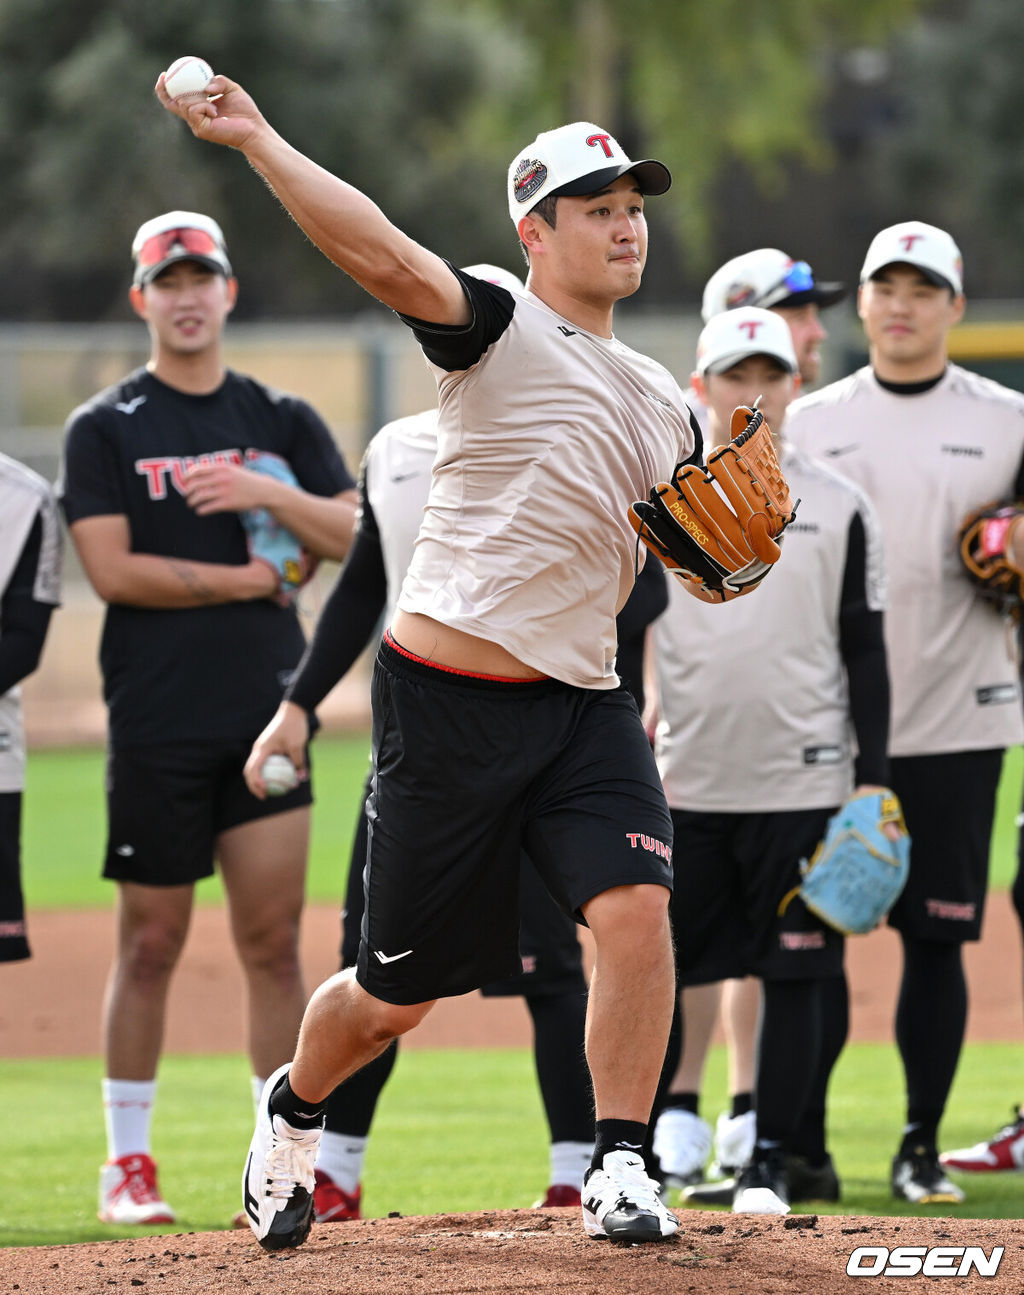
330 1203
1004 1151
129 1195
559 1195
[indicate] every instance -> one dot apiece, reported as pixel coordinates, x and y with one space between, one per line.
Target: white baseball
187 78
279 775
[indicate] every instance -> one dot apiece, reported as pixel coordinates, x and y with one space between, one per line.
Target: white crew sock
128 1110
341 1158
569 1162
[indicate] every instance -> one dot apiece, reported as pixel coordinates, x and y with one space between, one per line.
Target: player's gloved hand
860 868
718 528
985 538
269 541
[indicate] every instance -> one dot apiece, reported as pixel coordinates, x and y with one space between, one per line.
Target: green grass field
443 1140
64 827
64 824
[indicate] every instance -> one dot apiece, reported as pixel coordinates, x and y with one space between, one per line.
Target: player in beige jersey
768 278
930 442
31 552
498 716
805 666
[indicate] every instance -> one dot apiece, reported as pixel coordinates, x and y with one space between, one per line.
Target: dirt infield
519 1251
51 1007
51 1004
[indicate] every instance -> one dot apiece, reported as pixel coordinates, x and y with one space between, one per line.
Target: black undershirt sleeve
1018 485
862 646
647 600
24 620
458 346
350 615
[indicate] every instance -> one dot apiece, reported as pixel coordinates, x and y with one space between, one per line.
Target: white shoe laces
635 1188
290 1161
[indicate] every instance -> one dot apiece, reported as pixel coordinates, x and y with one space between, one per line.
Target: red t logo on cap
600 140
908 241
751 325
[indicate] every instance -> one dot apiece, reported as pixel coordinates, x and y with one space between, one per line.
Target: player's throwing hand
230 117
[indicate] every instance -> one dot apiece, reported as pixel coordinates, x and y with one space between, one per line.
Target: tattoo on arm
190 578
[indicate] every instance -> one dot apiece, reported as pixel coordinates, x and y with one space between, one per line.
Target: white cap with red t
925 247
734 335
575 160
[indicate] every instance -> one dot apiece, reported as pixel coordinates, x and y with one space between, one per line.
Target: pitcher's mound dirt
520 1251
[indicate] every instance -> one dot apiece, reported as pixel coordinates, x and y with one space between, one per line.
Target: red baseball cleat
558 1196
1004 1151
330 1203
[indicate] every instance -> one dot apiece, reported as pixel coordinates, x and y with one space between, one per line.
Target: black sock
929 1041
351 1107
741 1104
293 1110
566 1091
617 1135
919 1135
809 1137
787 1056
682 1102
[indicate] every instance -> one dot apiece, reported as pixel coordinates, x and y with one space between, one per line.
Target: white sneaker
761 1186
734 1143
278 1180
682 1143
129 1195
622 1204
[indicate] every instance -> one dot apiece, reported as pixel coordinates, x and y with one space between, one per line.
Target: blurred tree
953 156
400 97
707 85
419 104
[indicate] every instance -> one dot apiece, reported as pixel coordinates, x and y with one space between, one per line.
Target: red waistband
450 669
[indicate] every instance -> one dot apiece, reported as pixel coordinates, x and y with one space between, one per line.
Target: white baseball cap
766 277
928 249
576 159
178 236
495 274
734 335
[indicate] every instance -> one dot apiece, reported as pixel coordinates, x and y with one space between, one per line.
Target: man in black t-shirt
198 641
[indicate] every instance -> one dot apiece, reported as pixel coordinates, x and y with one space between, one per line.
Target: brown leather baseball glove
718 527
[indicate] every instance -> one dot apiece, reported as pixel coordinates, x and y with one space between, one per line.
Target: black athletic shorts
166 806
468 771
733 873
549 947
949 803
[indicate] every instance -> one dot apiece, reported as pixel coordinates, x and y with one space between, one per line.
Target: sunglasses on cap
159 247
798 278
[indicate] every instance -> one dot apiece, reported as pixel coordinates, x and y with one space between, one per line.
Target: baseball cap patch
529 177
739 294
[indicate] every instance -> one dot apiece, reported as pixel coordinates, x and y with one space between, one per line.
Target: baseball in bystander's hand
279 775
